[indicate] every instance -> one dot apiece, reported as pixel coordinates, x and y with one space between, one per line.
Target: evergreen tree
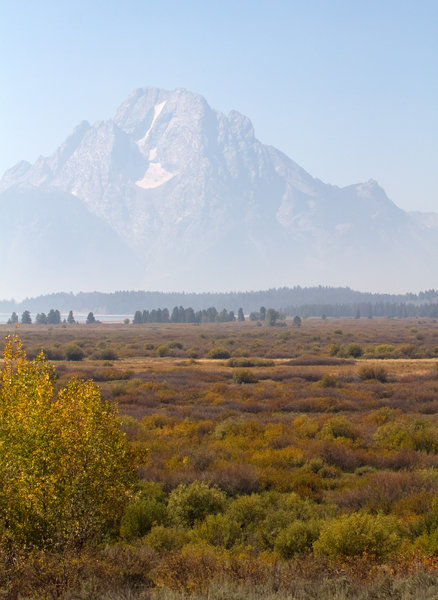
54 317
70 318
13 319
90 319
26 318
271 317
240 315
138 318
189 315
297 321
41 319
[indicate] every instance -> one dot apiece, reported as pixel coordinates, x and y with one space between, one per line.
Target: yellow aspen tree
65 470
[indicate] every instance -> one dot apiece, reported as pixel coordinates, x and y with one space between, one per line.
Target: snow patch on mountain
155 176
157 111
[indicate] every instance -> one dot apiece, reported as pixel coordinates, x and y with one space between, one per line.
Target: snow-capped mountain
172 194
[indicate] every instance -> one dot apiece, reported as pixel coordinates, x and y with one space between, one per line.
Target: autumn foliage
65 475
281 462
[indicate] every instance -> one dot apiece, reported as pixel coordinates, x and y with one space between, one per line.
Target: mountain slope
202 204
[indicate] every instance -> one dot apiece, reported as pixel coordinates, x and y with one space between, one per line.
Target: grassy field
310 452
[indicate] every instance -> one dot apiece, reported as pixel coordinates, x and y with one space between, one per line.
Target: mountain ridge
197 202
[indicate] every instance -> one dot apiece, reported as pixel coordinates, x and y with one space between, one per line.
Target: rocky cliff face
172 194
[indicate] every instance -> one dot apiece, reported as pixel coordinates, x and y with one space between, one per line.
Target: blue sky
348 89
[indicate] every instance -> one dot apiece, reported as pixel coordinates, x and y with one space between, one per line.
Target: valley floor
282 462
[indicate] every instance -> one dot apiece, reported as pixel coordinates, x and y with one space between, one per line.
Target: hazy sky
347 88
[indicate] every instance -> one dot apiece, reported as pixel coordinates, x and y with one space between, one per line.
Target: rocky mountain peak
187 190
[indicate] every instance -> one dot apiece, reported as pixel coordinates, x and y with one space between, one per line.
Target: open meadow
282 461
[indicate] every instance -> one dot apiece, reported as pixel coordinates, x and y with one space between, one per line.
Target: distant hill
172 194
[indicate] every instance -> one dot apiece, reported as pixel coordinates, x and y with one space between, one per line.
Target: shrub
108 354
74 352
247 511
428 543
328 381
190 503
407 351
334 349
373 372
384 350
219 353
236 478
250 362
166 539
296 538
419 434
140 516
53 353
244 376
217 530
357 534
337 427
163 350
354 350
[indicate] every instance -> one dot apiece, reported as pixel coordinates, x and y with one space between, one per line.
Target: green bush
384 350
244 376
74 352
191 503
328 380
358 534
354 350
219 353
428 543
247 511
296 538
166 539
337 427
140 517
334 349
217 530
408 351
289 509
52 353
108 354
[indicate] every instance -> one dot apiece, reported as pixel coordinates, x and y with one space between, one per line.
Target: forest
220 460
305 301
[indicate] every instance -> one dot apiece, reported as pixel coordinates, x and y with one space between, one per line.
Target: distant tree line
53 317
366 310
127 302
186 315
179 314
